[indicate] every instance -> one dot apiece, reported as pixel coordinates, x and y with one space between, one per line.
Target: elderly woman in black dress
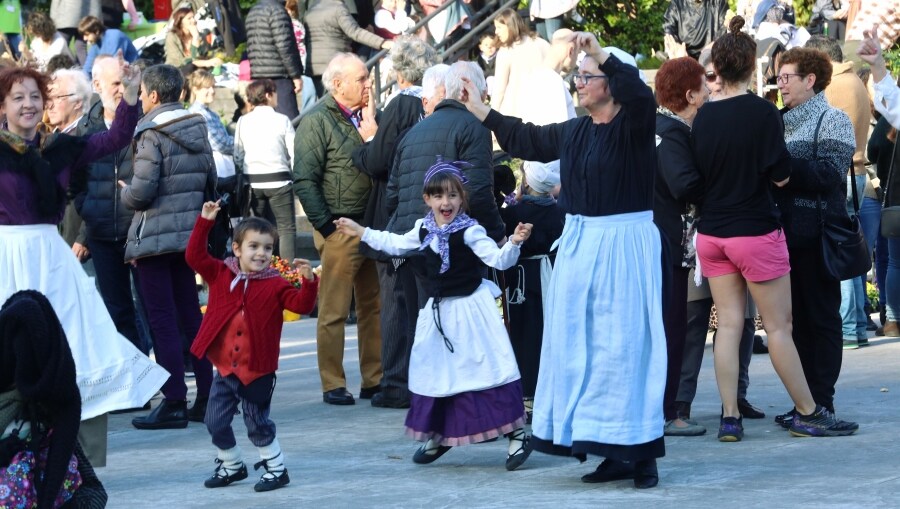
601 381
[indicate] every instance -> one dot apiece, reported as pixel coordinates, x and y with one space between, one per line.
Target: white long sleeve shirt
264 147
887 100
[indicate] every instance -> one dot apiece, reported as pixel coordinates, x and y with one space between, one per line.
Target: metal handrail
477 31
473 33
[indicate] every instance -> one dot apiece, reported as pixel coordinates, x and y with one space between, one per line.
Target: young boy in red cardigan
241 335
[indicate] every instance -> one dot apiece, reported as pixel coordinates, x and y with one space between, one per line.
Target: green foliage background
632 25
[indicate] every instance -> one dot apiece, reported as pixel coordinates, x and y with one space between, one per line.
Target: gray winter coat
271 45
456 135
331 31
173 173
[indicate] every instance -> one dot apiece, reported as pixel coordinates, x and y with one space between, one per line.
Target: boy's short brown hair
254 224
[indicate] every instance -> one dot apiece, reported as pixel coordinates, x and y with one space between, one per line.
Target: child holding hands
240 335
462 372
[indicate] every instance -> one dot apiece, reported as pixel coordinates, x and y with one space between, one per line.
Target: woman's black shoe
166 415
610 470
749 411
645 474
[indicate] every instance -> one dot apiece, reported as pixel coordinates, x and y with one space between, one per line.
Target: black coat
678 181
454 134
271 44
374 158
97 201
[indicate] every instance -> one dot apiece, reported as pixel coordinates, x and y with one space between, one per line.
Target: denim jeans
892 281
853 291
546 27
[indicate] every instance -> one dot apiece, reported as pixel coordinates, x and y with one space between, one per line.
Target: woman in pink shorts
740 151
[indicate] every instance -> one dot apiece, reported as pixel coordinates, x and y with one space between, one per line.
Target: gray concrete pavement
358 456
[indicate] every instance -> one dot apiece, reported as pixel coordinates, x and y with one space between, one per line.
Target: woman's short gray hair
336 69
411 56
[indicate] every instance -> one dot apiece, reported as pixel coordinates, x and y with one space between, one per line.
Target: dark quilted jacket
173 173
105 216
455 134
325 179
271 45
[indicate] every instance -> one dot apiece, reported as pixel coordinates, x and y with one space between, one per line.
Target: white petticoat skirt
110 372
482 356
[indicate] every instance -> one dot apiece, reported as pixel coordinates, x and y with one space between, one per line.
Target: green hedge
632 25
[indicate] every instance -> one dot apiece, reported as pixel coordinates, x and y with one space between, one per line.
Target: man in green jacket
329 186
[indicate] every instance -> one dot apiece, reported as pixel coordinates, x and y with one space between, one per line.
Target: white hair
337 68
80 86
453 85
433 78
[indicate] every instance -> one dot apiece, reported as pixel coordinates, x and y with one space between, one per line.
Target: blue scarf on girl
460 222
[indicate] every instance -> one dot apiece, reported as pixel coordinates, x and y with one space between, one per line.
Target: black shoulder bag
890 213
845 253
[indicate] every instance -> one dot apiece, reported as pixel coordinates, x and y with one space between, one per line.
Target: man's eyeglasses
711 76
584 79
51 100
783 78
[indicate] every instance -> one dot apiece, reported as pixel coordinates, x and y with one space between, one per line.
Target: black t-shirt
739 149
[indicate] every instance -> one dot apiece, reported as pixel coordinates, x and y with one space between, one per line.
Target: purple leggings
173 309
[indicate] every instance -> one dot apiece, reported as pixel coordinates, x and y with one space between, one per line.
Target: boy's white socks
273 457
231 459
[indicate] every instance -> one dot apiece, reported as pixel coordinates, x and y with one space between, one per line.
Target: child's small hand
349 227
304 268
210 210
523 231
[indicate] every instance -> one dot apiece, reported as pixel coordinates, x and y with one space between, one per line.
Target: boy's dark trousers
255 400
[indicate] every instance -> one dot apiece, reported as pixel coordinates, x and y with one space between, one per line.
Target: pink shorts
757 259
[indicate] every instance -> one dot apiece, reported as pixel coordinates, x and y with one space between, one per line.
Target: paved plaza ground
358 456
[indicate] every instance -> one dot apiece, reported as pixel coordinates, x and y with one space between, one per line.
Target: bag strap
816 157
887 186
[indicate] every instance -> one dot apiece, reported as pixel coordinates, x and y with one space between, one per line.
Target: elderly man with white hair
70 96
330 186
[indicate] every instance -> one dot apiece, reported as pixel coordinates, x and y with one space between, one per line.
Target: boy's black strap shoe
270 480
222 477
167 415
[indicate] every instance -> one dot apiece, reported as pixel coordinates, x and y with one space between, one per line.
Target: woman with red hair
680 91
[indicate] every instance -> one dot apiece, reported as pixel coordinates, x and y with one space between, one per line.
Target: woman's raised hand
131 80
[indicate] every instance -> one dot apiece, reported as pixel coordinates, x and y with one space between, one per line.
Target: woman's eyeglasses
711 76
584 79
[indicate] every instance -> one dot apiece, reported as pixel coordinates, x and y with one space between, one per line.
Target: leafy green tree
632 25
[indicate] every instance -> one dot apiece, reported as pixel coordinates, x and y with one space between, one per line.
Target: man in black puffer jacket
273 52
106 218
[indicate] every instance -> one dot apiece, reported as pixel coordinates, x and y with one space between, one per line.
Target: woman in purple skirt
463 376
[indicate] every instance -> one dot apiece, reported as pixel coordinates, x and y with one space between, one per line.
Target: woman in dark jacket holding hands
681 91
819 139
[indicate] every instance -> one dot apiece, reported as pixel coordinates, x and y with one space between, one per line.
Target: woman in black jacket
681 91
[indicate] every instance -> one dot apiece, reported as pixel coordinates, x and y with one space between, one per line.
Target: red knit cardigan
262 302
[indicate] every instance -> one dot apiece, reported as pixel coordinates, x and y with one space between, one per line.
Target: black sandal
518 457
425 454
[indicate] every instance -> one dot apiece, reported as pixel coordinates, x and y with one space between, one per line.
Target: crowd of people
600 250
